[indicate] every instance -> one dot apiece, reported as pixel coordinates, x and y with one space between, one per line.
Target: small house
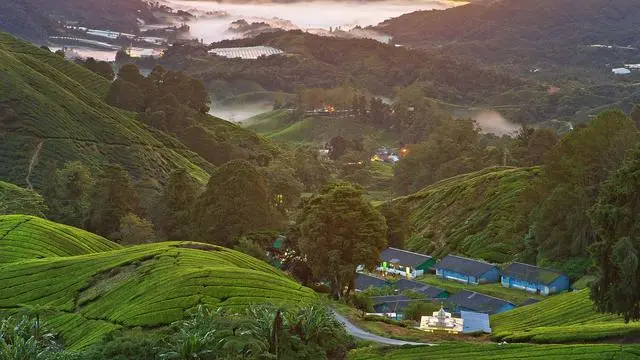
428 291
534 279
364 282
468 271
466 300
404 263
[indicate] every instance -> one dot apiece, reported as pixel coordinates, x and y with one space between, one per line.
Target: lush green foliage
479 351
16 200
569 317
615 219
336 231
26 237
235 203
22 339
475 214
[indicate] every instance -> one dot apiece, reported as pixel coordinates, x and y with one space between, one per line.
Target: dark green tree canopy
616 219
336 231
235 203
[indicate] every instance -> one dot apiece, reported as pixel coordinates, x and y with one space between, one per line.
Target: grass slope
17 200
457 351
562 318
473 214
276 126
27 237
51 111
147 285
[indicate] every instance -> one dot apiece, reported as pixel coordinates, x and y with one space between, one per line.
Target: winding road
361 334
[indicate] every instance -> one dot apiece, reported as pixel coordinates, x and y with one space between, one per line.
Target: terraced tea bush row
478 351
26 237
147 285
567 317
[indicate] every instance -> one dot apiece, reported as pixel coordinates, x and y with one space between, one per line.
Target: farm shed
405 263
466 300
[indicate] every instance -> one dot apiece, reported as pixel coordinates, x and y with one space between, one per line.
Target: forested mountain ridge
555 32
325 62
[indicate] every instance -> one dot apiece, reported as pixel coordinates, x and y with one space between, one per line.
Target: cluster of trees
240 200
257 332
101 68
162 90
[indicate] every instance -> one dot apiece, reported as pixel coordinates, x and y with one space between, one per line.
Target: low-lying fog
213 18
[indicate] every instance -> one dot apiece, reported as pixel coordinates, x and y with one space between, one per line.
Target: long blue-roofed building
468 271
534 279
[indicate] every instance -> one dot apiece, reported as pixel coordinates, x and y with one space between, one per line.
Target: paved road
361 334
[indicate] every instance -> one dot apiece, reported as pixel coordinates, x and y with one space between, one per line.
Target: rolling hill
473 214
276 126
564 318
147 285
476 351
51 111
26 237
17 200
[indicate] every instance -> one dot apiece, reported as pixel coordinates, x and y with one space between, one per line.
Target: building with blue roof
468 271
534 279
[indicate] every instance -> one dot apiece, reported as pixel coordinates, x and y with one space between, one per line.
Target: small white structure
250 52
621 71
441 321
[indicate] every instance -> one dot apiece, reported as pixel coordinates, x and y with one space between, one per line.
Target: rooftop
363 282
475 322
427 290
249 52
478 302
403 257
531 273
464 265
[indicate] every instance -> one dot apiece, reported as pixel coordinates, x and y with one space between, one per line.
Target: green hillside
51 111
17 200
276 126
472 214
147 285
479 351
27 237
562 318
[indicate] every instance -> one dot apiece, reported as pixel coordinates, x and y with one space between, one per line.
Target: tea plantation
146 285
472 214
457 351
562 318
54 112
17 200
26 237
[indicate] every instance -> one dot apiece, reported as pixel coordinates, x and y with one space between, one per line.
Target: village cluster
468 311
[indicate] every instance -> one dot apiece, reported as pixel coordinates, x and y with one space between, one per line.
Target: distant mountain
530 32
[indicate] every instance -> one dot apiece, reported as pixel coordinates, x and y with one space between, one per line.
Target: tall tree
616 219
235 203
336 231
176 203
113 197
68 200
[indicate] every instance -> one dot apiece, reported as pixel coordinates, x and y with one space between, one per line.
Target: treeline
241 199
